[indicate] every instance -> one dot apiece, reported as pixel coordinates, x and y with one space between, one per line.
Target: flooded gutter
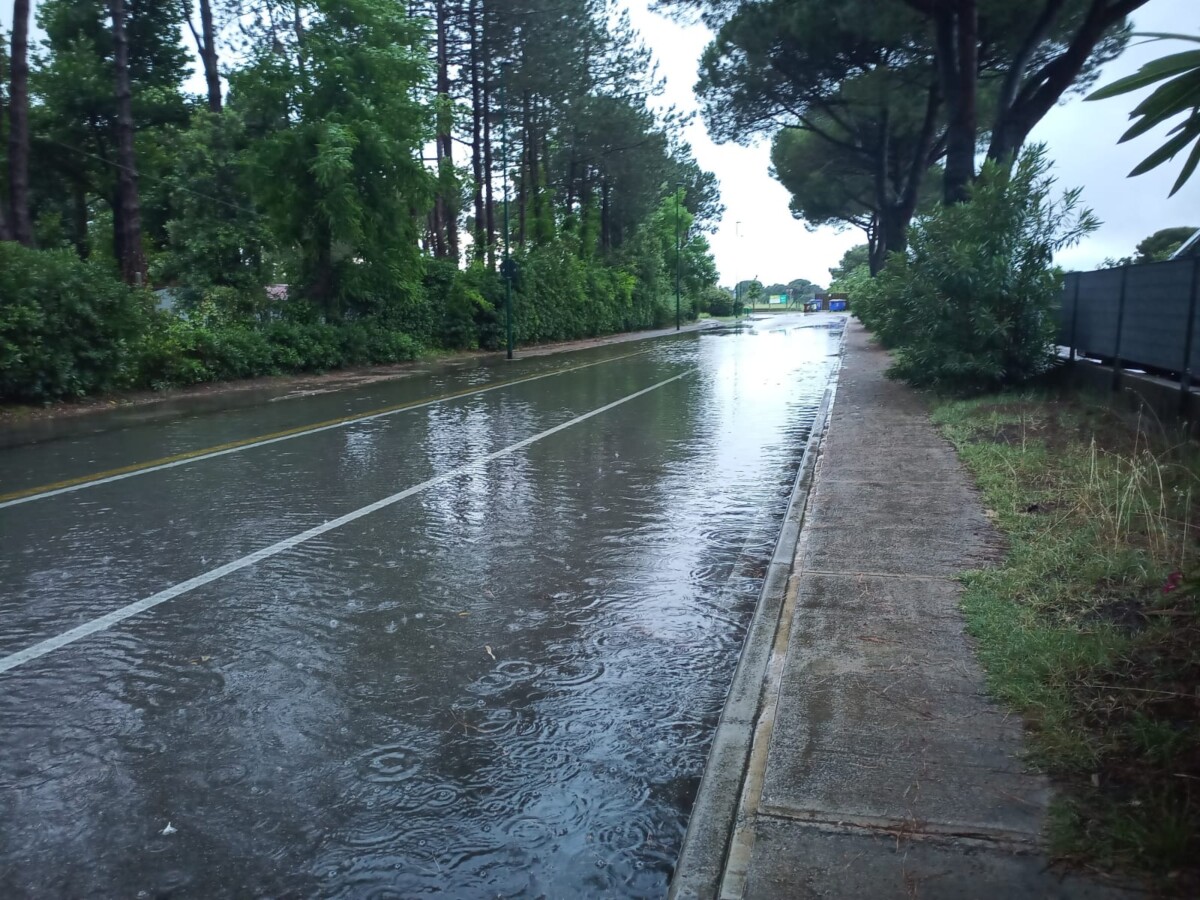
707 845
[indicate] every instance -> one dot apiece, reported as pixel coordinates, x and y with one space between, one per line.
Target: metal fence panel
1157 299
1155 327
1096 321
1193 335
1066 309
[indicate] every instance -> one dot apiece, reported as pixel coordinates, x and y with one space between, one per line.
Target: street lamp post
506 268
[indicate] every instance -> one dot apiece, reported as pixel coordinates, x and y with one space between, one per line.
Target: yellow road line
69 484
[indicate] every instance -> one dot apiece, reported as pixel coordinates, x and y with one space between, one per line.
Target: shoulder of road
28 424
858 754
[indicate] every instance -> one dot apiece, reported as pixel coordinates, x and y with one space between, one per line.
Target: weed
1075 629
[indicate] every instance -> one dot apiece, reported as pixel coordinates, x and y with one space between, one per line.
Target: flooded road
475 645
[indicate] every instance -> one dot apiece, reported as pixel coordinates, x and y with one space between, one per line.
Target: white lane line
340 423
108 620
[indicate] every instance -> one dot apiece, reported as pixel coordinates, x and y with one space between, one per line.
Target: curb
700 868
169 406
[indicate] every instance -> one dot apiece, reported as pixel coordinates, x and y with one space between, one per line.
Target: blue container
837 305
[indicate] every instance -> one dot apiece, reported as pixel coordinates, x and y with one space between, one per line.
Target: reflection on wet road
476 647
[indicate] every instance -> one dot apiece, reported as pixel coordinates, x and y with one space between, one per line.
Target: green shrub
664 314
305 346
176 351
239 351
970 304
464 305
717 302
354 344
866 300
66 326
486 289
392 346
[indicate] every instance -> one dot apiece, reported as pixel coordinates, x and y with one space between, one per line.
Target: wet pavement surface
502 682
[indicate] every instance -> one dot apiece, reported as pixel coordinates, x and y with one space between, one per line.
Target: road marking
28 495
139 606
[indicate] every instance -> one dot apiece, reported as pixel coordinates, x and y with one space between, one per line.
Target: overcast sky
759 238
1082 139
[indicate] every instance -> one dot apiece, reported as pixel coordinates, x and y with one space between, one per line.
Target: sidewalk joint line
915 829
899 576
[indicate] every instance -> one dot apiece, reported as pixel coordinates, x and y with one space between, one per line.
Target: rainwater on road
474 648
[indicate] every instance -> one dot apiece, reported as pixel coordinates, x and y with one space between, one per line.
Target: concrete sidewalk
878 767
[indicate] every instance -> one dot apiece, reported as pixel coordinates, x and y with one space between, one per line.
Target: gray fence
1135 317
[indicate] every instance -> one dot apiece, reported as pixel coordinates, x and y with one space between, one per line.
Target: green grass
1074 629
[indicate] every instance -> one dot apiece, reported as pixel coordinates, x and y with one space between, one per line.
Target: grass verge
1075 630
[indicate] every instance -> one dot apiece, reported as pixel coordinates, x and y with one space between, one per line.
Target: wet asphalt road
475 648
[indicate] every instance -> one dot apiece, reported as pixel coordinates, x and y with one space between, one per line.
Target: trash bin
837 305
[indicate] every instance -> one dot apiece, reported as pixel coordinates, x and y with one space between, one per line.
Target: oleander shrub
970 305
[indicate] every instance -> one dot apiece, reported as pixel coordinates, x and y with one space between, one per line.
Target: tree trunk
479 232
18 119
5 234
535 176
433 231
208 55
522 180
957 50
79 214
605 218
447 219
118 214
129 222
893 229
874 262
489 200
323 293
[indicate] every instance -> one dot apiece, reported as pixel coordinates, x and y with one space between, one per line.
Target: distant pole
678 247
507 266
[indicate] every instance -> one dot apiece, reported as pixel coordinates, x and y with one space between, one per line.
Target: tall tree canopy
1160 245
364 153
878 92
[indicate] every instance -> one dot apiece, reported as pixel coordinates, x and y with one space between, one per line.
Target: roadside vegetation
1091 626
877 114
333 192
970 305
